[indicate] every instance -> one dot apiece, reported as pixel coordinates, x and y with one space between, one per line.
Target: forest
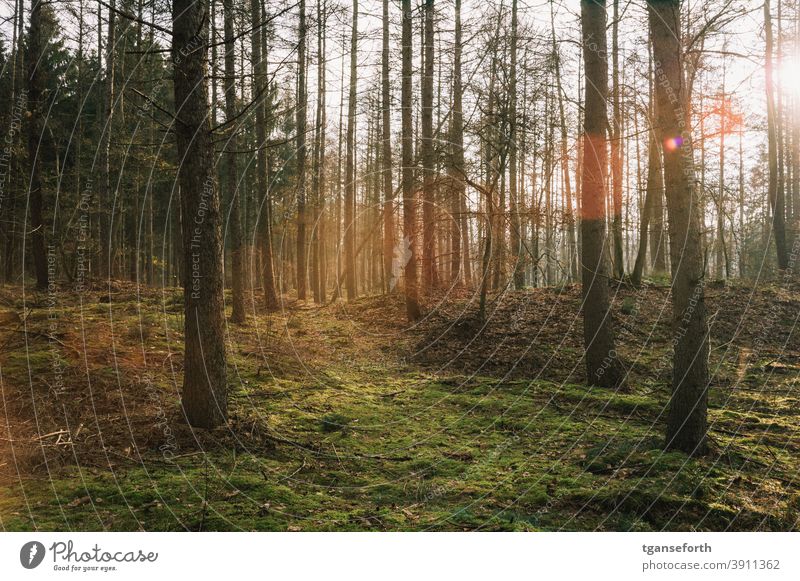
373 265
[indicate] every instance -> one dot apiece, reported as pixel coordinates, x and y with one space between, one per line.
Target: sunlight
788 75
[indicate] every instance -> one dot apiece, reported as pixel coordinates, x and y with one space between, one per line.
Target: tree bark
775 191
616 151
204 396
386 156
35 106
460 248
302 100
409 255
430 277
518 272
349 170
602 365
231 173
687 416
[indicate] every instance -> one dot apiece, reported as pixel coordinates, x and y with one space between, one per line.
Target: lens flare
673 143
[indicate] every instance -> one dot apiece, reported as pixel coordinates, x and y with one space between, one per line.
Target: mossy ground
343 419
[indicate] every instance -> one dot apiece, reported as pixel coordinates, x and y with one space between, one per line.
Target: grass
334 426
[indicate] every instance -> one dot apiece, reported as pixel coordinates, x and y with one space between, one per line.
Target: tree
774 188
687 416
204 396
318 277
409 204
105 201
616 150
36 42
261 94
386 154
430 276
654 192
302 100
349 171
459 233
602 365
231 173
516 239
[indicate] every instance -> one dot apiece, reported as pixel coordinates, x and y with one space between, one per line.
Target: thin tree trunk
775 191
459 234
386 133
516 241
231 173
349 172
302 99
430 277
409 206
259 88
616 151
36 47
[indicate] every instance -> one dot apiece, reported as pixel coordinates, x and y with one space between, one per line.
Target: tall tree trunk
106 265
349 170
723 268
602 366
518 274
429 270
302 101
204 396
261 91
460 250
687 416
17 79
318 273
238 315
652 211
572 244
36 47
775 191
386 134
409 255
616 151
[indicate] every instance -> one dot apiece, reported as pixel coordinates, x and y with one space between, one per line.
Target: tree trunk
204 396
616 150
318 272
349 170
776 193
460 248
35 106
430 277
602 366
572 244
302 100
386 129
516 241
231 174
260 89
686 420
409 255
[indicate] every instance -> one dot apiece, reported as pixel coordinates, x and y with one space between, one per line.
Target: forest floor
344 418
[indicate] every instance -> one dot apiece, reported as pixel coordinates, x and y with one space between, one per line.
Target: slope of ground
342 418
